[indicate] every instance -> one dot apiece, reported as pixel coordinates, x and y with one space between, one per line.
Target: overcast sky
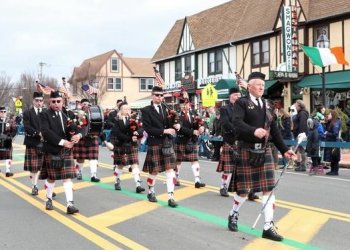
62 33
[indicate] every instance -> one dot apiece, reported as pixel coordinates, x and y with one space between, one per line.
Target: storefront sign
201 83
283 75
188 82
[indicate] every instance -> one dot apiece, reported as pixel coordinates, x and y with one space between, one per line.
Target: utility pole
41 65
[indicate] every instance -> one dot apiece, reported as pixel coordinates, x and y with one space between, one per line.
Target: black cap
37 94
233 90
84 100
157 89
256 75
2 108
55 94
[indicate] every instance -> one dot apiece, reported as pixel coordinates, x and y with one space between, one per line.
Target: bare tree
6 87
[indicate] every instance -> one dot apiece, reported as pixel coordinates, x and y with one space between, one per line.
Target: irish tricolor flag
324 57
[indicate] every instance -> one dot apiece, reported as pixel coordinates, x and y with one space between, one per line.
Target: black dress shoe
300 169
49 205
79 176
152 197
139 189
332 173
117 186
53 194
95 179
9 174
199 184
232 222
72 209
252 197
35 190
172 203
177 183
130 169
223 192
272 234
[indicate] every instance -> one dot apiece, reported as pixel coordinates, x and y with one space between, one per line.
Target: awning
269 84
334 80
141 103
223 86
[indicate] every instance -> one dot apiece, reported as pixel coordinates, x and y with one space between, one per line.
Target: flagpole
324 86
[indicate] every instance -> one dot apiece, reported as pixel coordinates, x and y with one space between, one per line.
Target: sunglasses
38 100
56 101
161 95
3 111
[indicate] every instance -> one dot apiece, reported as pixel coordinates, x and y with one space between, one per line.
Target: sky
60 34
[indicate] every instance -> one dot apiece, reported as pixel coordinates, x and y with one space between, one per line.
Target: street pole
323 86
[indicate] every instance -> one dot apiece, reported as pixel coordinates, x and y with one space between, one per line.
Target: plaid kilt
257 179
227 161
181 155
122 159
66 172
6 153
86 149
32 161
156 162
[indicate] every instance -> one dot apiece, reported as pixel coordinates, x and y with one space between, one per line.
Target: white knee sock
8 165
268 211
68 190
34 178
178 168
49 189
170 182
93 168
136 175
118 174
79 167
225 180
195 170
237 203
151 180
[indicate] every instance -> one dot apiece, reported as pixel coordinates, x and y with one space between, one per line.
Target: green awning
334 80
223 86
269 84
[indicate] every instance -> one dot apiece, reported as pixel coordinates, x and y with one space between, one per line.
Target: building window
146 84
261 53
114 84
161 70
178 69
215 62
114 64
188 66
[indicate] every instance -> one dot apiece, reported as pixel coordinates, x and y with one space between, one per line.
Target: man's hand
290 154
68 144
177 126
196 132
75 138
260 133
134 138
169 131
201 129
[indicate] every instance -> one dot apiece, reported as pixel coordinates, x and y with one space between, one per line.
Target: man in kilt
186 145
126 131
254 125
8 130
228 155
60 135
159 129
33 158
87 148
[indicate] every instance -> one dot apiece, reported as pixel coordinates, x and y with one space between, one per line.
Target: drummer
8 131
88 147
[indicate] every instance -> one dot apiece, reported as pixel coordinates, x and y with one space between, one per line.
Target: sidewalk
345 159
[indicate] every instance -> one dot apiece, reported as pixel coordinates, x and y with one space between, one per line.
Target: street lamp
323 42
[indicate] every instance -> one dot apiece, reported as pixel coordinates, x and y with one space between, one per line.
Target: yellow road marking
263 244
133 210
89 235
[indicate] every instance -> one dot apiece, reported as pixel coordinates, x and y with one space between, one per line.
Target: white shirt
253 98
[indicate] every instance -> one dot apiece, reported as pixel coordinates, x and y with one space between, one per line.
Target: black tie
160 110
257 99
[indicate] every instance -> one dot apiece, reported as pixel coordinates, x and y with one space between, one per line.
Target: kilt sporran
256 157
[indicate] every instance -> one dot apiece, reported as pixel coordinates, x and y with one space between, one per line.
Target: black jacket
31 122
122 132
227 120
186 131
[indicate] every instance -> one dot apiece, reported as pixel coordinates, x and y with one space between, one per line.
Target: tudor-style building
116 77
247 35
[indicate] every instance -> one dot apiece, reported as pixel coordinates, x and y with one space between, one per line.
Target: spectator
284 122
218 132
313 144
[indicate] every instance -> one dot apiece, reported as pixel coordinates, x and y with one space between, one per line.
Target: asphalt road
312 213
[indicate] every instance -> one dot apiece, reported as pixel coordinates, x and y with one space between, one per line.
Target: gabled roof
237 20
141 67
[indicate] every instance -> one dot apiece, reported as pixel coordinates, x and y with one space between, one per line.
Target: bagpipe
8 132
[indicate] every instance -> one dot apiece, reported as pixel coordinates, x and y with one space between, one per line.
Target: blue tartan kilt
256 179
32 160
156 162
227 162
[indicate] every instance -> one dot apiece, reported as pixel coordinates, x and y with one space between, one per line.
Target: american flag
44 88
89 89
159 78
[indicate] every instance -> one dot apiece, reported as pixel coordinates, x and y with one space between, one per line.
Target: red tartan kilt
86 152
181 155
5 153
49 172
257 179
122 159
156 162
227 163
32 161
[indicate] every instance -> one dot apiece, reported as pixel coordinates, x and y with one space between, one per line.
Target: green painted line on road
208 217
